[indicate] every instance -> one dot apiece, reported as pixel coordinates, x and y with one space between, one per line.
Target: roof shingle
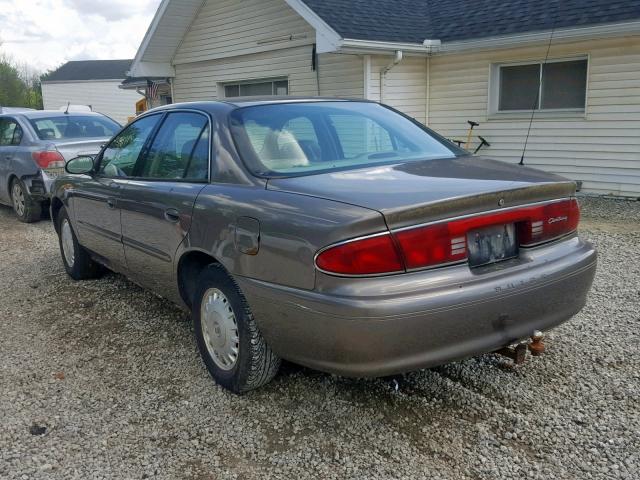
90 70
413 21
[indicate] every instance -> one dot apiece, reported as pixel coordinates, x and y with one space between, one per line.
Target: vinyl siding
104 97
201 80
405 85
600 147
340 75
229 28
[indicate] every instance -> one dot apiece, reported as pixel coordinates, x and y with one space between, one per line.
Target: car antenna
533 110
66 112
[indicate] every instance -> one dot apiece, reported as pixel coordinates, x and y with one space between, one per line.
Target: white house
574 64
94 83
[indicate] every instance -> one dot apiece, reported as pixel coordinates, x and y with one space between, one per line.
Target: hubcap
219 329
67 243
18 199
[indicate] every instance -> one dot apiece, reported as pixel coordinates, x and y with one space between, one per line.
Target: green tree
12 88
19 85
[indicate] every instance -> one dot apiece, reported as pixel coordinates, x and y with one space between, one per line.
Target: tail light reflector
445 242
367 256
48 159
549 221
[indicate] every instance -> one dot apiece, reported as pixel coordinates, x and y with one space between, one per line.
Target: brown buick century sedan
341 235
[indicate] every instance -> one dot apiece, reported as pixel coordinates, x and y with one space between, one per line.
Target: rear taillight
445 242
549 221
48 159
366 256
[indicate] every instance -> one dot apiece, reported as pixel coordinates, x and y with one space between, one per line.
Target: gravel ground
102 380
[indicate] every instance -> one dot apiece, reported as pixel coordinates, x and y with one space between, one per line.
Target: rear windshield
305 138
74 126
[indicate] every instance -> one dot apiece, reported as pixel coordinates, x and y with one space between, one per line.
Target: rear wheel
232 348
26 208
77 261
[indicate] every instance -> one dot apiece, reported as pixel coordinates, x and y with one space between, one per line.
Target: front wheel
77 261
232 348
26 208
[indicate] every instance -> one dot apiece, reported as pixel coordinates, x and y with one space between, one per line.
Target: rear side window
180 149
121 155
74 126
10 132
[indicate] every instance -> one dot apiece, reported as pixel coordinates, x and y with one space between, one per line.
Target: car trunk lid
76 147
425 191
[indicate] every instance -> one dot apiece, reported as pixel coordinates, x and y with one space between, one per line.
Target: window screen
257 89
563 86
519 87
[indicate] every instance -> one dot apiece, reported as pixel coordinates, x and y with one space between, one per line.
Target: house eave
559 36
429 47
103 80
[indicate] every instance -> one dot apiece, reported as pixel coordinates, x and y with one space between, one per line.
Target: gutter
433 47
427 47
566 34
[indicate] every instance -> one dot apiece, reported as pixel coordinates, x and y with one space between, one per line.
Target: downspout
431 46
383 73
428 92
173 93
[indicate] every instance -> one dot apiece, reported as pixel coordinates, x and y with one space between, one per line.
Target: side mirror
81 165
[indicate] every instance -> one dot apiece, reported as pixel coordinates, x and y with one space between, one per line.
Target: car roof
269 100
241 102
50 113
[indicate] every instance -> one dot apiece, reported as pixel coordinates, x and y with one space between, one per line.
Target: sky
44 34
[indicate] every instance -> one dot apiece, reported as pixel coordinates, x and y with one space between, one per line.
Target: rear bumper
388 325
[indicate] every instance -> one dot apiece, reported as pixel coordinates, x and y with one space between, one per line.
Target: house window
257 88
555 85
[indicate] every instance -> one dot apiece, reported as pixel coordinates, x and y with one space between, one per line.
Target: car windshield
74 126
304 138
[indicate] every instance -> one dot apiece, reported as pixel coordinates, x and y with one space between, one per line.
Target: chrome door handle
172 215
111 203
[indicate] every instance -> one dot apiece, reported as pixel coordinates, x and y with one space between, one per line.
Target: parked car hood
421 191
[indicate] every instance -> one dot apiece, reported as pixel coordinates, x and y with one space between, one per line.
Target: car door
96 203
157 203
10 137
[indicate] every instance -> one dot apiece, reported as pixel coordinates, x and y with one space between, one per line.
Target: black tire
256 364
24 206
83 267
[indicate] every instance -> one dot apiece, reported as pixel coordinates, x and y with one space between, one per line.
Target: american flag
152 90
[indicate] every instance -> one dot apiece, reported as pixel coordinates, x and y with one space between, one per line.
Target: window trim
494 88
145 148
223 93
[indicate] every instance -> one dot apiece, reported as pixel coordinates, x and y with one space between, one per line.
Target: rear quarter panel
292 229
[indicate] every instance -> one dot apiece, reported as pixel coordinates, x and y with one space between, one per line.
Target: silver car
34 146
341 235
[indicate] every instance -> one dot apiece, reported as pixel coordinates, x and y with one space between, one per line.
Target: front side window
10 132
554 85
303 138
74 126
121 155
180 149
257 88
